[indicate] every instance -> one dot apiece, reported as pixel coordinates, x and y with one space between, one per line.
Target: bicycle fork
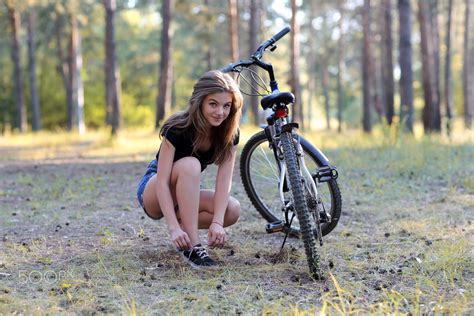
314 203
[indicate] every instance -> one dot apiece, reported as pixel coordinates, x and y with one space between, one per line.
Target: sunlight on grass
140 143
403 244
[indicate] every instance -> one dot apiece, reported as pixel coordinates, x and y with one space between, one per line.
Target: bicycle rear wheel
260 177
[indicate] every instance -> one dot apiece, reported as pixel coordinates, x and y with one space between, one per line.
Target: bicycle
272 165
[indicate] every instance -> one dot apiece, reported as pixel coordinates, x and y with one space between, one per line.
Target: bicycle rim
260 176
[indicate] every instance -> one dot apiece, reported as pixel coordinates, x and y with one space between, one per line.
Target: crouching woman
206 132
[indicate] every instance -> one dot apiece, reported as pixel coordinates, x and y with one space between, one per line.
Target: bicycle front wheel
299 203
260 177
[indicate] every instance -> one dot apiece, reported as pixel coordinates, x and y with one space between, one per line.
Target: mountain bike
289 181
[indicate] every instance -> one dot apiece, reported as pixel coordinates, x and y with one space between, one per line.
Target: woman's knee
232 213
188 166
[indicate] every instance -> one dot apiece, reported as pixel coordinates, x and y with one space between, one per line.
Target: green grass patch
75 240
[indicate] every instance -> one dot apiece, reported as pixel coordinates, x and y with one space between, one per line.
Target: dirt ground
73 239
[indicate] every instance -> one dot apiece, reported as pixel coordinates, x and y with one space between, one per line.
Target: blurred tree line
84 63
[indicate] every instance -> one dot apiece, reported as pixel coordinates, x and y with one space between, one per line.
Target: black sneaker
198 257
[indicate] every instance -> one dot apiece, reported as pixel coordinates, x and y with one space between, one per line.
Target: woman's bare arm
223 186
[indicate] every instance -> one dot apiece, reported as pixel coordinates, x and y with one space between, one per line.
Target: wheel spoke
262 177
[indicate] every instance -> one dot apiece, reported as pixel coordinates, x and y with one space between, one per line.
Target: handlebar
257 55
280 34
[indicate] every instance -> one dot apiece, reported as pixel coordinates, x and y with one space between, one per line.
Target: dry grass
74 239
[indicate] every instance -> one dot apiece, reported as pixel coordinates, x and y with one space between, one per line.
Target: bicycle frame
273 132
301 193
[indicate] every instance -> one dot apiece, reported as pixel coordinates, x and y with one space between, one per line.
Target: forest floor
73 238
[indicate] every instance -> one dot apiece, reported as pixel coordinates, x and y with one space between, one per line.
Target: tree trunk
75 79
253 43
163 100
112 73
295 69
312 72
325 81
324 71
375 63
387 65
448 84
209 58
437 70
468 67
35 105
233 30
430 113
366 74
340 66
64 69
15 23
406 70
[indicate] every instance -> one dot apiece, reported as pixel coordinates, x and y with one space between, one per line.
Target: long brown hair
192 119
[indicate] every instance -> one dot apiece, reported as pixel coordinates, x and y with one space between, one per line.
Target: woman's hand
180 239
216 235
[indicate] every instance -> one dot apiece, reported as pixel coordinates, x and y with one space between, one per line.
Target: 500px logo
48 276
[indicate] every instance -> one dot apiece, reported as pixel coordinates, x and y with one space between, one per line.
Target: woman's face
216 107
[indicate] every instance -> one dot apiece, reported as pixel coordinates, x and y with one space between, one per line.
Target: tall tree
35 104
375 63
112 75
75 66
163 100
433 9
208 36
325 77
448 84
253 43
340 65
406 70
468 67
387 65
295 68
431 115
311 67
15 23
366 68
64 67
233 30
325 83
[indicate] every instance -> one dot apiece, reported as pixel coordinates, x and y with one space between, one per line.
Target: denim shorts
150 172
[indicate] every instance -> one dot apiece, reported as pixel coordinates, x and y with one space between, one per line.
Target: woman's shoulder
177 135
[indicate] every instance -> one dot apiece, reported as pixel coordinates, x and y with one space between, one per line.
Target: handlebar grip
280 34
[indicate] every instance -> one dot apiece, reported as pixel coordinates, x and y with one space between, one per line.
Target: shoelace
201 252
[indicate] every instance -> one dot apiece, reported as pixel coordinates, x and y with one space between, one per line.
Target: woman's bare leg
206 210
189 173
186 173
184 187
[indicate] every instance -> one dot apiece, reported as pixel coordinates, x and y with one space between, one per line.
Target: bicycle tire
299 203
262 189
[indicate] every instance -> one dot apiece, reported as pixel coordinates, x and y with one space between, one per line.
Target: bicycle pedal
274 227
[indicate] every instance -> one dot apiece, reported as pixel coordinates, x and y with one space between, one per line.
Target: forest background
73 237
80 65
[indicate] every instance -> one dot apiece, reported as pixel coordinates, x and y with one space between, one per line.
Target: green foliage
135 115
197 29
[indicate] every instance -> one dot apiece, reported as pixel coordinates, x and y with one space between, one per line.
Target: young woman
206 132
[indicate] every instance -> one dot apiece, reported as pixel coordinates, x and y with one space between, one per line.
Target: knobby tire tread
304 217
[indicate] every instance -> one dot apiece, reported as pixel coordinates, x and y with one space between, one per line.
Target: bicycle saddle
276 98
